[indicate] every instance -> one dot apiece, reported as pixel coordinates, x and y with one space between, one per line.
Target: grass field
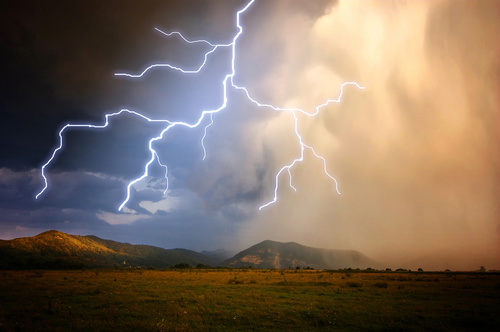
199 299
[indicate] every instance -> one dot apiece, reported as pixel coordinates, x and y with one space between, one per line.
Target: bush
381 285
354 284
234 281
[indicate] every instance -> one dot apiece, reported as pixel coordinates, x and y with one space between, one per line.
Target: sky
415 153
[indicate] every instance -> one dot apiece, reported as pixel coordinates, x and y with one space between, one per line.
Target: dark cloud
45 218
67 190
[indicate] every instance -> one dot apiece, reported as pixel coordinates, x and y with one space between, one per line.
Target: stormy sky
415 154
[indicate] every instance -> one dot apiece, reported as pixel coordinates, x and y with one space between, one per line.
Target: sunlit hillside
54 249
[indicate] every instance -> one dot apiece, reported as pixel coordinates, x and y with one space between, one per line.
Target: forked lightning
226 84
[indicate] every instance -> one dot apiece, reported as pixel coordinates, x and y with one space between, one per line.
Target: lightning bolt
227 83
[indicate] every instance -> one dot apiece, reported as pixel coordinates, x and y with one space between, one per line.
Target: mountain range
58 250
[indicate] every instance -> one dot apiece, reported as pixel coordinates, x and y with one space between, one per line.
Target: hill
278 255
58 250
54 249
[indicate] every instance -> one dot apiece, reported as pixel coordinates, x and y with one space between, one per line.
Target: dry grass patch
192 300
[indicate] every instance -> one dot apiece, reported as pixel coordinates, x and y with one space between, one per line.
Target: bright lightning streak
317 108
205 135
184 71
168 34
228 78
61 140
160 65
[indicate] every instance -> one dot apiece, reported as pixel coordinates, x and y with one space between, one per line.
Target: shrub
234 281
381 285
354 284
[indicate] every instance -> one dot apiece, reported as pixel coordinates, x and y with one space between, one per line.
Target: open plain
247 299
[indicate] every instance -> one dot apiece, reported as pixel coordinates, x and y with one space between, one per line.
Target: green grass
130 300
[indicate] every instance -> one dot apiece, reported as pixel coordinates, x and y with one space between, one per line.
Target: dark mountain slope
151 256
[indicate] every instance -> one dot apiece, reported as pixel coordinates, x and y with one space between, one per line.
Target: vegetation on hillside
58 250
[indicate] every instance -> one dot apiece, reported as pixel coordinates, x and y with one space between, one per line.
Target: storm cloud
415 153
